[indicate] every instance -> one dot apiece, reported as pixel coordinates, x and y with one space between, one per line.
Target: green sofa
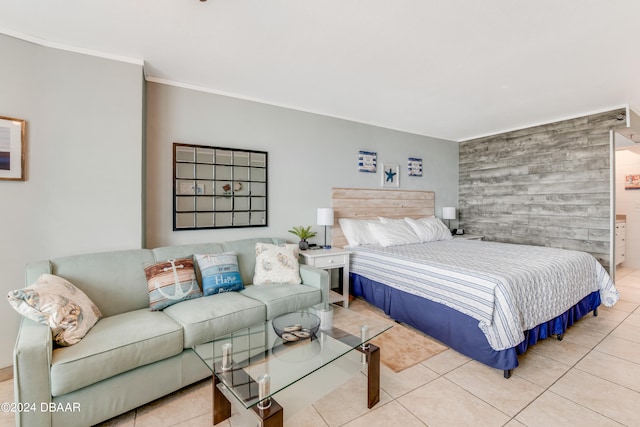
133 355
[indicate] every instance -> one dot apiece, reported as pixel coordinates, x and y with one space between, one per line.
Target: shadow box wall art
217 187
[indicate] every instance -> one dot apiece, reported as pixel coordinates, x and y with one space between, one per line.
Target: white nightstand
328 259
468 236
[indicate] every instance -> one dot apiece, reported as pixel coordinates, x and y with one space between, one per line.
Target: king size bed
487 300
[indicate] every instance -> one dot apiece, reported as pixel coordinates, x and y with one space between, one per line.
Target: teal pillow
220 273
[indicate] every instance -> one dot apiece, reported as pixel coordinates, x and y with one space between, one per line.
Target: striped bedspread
508 288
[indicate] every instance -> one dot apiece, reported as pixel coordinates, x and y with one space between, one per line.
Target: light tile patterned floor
591 378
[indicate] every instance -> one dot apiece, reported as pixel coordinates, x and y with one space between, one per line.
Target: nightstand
328 259
468 236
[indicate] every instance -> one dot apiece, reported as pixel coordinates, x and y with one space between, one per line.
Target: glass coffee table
255 363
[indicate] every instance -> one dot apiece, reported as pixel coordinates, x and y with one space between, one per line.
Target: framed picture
415 166
12 149
367 161
390 176
632 182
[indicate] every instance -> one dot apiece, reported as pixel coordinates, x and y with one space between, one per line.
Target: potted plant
303 233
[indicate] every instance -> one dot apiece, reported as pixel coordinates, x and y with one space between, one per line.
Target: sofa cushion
210 317
219 272
114 345
55 302
283 298
276 264
114 281
170 282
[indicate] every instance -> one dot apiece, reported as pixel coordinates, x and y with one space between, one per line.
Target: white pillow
357 231
385 220
430 229
276 264
394 233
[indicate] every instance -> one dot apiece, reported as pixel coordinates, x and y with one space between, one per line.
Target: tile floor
591 378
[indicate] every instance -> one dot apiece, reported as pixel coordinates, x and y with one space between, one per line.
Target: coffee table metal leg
372 354
221 406
273 416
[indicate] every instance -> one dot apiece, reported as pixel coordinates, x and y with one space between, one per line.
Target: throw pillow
276 264
220 273
54 301
170 282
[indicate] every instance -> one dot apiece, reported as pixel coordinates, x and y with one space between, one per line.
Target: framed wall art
632 182
414 166
218 187
367 161
12 149
390 176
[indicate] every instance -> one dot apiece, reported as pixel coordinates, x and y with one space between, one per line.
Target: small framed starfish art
390 176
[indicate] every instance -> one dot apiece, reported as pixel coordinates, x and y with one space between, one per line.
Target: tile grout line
572 367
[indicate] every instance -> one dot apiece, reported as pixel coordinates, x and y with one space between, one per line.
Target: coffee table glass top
258 350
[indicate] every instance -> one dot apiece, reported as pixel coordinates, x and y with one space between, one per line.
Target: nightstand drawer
330 261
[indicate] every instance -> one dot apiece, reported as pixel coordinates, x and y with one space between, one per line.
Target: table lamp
449 213
325 217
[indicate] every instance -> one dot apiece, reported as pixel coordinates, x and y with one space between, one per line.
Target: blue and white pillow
220 273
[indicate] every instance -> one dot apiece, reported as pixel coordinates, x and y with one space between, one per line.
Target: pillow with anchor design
170 282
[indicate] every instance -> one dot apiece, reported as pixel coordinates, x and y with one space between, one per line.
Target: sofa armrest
317 278
31 365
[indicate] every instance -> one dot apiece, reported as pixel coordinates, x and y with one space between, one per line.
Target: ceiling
454 69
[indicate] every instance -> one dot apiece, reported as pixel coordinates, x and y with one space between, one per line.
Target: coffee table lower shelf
273 416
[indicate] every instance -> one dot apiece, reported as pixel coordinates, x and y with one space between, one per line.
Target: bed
490 301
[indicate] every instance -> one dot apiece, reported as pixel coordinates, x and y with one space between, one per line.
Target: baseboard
6 374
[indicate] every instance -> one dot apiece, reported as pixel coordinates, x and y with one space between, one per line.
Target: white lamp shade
325 216
449 213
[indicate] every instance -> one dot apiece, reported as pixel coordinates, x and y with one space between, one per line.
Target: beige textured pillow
54 301
276 264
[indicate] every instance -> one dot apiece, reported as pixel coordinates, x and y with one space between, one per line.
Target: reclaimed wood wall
546 185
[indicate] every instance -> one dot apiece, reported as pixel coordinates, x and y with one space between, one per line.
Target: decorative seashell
302 334
289 337
291 328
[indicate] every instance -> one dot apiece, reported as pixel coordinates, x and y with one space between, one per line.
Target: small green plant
303 233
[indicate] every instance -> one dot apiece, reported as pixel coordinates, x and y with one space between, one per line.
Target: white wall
628 203
308 155
83 191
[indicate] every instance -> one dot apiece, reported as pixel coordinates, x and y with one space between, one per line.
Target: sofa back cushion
114 281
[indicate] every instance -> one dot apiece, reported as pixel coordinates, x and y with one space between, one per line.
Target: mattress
507 288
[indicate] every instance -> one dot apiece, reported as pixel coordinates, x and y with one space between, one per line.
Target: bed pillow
430 229
170 282
277 264
220 273
357 231
56 302
386 220
394 233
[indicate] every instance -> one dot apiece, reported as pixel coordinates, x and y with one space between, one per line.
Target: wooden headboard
363 203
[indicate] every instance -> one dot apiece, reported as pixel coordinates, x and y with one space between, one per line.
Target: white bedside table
328 259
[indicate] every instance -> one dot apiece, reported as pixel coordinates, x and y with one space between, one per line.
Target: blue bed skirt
457 330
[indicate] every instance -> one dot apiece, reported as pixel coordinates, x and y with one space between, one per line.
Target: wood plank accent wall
546 185
362 203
